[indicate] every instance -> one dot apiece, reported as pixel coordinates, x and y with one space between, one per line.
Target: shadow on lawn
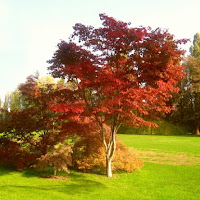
77 182
5 169
70 188
76 185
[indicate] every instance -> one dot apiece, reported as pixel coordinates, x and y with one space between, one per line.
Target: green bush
164 128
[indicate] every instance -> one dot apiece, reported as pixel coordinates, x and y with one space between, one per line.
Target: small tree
124 75
31 131
59 159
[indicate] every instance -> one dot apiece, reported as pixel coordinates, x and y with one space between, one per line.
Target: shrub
59 159
14 155
125 159
164 128
89 156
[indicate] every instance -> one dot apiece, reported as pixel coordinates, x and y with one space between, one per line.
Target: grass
155 181
187 144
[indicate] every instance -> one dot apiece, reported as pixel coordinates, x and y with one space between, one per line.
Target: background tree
193 90
6 102
195 48
124 75
188 111
5 106
1 115
15 100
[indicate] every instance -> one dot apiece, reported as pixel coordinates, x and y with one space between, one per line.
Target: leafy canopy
120 71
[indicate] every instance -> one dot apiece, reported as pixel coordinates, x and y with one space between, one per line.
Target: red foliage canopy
130 72
28 133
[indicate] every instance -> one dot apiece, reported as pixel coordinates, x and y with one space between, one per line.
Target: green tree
188 111
15 100
193 64
1 114
195 48
6 102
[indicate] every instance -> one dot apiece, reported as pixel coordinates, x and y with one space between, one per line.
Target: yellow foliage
89 156
59 159
43 82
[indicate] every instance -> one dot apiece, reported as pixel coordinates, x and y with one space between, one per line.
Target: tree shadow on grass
72 187
6 169
76 183
74 174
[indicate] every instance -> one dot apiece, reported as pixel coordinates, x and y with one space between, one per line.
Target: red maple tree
30 132
123 75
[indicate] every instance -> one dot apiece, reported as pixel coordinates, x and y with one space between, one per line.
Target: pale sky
31 29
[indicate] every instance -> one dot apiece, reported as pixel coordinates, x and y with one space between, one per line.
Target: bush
89 156
59 159
21 153
125 159
164 128
14 155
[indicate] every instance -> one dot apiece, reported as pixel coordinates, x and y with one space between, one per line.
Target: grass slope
154 181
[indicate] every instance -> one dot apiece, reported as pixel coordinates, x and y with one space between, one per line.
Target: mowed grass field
171 172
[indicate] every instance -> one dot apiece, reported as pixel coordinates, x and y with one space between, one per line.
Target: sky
31 29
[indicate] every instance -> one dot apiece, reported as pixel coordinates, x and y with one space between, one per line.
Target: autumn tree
31 131
36 94
124 75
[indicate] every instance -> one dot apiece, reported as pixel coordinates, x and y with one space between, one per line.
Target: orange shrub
89 156
125 159
59 159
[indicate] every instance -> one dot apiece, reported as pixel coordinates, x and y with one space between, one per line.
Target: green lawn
155 181
187 144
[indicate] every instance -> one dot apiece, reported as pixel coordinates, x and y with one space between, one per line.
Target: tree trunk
110 151
55 172
110 147
197 130
108 167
